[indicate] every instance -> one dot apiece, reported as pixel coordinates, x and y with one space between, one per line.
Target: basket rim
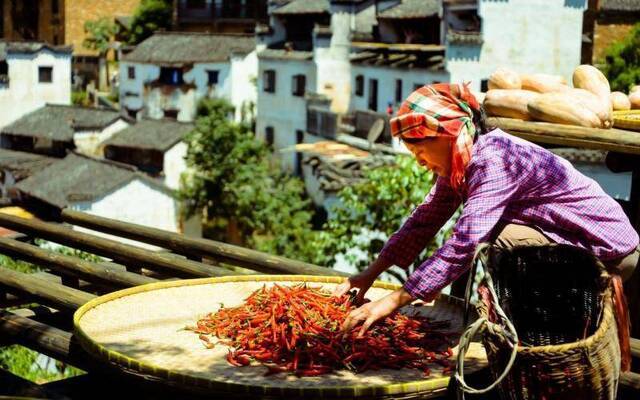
423 386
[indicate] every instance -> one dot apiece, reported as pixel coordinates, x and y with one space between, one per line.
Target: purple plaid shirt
515 181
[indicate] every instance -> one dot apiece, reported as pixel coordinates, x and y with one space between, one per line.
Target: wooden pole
219 251
47 292
122 253
72 266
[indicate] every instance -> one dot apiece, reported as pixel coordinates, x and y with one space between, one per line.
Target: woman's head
436 122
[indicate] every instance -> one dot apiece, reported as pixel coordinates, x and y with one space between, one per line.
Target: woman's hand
363 280
369 313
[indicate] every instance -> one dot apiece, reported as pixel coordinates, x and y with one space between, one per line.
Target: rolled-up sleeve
490 189
404 246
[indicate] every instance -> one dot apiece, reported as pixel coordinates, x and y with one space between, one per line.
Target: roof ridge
185 33
76 106
105 161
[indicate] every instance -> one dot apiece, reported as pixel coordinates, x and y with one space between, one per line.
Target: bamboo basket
559 299
629 119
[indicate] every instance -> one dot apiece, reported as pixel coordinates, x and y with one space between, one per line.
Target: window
373 94
131 72
212 77
45 74
171 76
359 85
398 90
484 85
196 4
269 135
269 81
4 68
132 113
56 39
55 7
299 139
171 113
298 85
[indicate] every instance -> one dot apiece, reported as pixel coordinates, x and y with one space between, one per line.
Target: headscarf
441 110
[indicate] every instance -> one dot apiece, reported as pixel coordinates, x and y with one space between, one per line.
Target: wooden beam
72 266
47 292
121 253
630 380
218 251
618 140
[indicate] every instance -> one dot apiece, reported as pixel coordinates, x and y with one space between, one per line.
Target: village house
61 22
166 75
104 188
222 16
56 129
32 74
156 147
16 166
365 56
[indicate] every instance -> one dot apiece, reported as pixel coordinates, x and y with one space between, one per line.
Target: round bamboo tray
141 330
627 120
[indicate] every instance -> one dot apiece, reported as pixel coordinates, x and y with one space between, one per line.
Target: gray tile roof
151 134
281 54
30 47
21 164
188 47
303 7
59 122
620 5
78 178
411 9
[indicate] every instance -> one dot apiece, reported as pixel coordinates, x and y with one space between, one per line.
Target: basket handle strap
510 334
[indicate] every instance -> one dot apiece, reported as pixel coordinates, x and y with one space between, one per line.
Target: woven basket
559 299
627 119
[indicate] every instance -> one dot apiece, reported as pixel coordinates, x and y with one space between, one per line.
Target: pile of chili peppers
297 329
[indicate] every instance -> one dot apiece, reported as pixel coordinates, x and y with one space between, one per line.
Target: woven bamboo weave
627 119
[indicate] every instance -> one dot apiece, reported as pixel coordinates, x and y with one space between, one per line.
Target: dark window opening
373 94
56 39
55 7
269 136
171 76
212 77
484 85
269 81
359 85
299 139
298 85
131 72
171 113
398 90
4 68
45 74
1 18
196 4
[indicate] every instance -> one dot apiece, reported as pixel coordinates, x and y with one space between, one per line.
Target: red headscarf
441 110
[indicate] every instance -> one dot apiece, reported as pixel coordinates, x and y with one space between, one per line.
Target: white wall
386 77
526 35
234 84
174 165
282 110
24 94
90 142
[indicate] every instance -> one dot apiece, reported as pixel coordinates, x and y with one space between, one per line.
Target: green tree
100 35
622 62
246 197
368 212
150 16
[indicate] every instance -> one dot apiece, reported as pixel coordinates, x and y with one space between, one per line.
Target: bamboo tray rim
424 386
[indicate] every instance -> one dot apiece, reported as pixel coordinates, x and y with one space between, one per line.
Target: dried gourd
620 101
634 99
593 102
543 83
509 103
590 78
503 78
562 108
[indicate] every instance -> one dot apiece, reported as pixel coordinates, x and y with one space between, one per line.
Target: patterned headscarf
441 110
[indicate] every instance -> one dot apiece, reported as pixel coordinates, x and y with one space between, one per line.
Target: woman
513 193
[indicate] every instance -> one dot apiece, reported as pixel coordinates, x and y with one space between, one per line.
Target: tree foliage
622 66
150 16
100 34
246 196
368 212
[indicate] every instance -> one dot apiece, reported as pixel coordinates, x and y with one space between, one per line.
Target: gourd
563 108
543 83
509 103
634 99
620 101
503 78
590 78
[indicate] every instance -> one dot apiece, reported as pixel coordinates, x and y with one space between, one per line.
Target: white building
32 74
106 189
367 54
55 129
156 147
167 74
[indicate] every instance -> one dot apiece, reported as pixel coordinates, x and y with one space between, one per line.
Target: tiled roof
151 134
303 7
60 122
411 9
280 54
620 5
21 164
30 47
189 47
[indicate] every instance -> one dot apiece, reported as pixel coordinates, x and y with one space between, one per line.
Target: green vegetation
150 16
80 98
622 66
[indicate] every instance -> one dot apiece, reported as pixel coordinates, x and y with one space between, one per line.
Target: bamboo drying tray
629 119
140 329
